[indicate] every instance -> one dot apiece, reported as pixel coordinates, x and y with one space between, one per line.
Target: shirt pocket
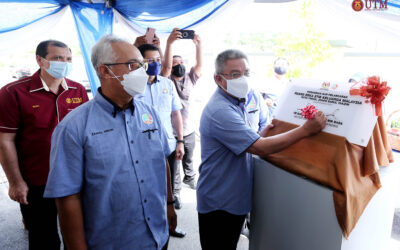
110 147
40 117
165 101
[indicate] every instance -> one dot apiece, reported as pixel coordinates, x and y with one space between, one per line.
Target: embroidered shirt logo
147 119
35 106
102 132
165 91
252 103
74 100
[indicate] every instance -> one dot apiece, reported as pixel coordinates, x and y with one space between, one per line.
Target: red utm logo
357 5
369 5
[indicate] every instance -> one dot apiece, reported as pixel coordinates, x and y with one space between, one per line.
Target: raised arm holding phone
184 82
150 37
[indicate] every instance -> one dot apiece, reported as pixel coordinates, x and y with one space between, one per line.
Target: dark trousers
165 247
220 230
173 166
40 217
187 162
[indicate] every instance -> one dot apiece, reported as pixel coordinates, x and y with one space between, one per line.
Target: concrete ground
14 237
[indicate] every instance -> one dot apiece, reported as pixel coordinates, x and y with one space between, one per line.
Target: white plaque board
347 116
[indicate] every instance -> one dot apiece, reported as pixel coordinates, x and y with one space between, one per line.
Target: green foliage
304 49
76 50
395 124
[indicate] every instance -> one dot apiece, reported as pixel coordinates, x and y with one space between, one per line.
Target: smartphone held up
150 35
187 34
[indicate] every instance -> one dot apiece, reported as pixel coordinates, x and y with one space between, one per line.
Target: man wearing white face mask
108 168
30 109
227 142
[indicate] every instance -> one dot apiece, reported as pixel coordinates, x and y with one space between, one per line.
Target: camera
187 34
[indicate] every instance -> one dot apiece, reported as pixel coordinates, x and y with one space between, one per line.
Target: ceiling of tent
94 18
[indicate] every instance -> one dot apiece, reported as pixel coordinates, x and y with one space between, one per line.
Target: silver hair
225 56
102 51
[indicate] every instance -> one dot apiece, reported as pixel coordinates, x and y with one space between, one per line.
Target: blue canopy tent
93 19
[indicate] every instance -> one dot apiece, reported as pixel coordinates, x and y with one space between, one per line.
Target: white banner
347 116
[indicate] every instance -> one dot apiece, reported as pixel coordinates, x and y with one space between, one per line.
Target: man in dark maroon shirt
30 109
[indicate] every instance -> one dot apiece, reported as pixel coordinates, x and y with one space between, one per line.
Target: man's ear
39 61
217 78
104 72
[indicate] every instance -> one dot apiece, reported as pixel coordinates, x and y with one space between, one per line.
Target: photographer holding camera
184 82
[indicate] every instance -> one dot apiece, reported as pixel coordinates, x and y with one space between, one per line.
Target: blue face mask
153 68
59 69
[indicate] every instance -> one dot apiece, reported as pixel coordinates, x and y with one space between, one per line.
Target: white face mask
59 69
238 87
134 82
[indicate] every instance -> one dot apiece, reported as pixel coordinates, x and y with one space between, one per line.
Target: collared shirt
256 110
184 88
29 109
226 172
163 97
117 164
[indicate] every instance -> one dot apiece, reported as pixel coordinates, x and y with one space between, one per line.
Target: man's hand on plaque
316 124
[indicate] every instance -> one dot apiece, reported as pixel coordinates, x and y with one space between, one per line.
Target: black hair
42 48
146 47
176 56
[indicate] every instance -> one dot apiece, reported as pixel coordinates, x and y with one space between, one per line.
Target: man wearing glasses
30 109
161 94
109 172
227 142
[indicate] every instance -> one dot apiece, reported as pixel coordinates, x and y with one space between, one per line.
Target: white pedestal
295 213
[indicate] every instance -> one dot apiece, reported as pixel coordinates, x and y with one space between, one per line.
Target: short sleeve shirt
29 109
118 165
226 172
162 96
184 88
256 110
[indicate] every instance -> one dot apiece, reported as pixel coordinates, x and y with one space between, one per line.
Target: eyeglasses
236 75
151 60
131 65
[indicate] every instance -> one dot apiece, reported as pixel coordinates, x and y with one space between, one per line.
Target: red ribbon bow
309 111
375 92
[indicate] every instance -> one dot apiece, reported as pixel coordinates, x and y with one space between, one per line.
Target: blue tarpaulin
93 20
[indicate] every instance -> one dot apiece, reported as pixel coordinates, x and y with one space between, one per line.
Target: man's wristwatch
180 141
171 202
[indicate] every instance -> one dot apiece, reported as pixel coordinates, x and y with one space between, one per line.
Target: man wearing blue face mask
30 109
227 142
161 94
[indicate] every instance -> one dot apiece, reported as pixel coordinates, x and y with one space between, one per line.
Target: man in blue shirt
108 169
162 96
227 142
